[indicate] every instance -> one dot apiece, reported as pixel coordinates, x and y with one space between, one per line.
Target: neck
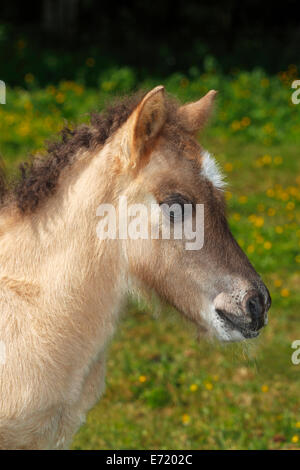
57 249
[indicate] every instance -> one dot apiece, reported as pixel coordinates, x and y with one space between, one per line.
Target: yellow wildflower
209 386
278 160
267 245
245 121
60 98
259 222
228 167
269 128
235 125
186 418
266 159
284 196
290 206
285 292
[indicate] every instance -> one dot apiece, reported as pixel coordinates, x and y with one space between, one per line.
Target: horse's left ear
194 116
146 122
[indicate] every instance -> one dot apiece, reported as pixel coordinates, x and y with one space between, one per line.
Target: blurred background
61 59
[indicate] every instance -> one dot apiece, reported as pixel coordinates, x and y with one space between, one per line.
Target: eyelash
176 199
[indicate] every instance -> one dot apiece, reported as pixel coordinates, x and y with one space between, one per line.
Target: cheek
143 258
155 262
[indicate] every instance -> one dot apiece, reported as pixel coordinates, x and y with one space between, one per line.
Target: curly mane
37 178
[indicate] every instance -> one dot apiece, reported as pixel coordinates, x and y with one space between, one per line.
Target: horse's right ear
146 122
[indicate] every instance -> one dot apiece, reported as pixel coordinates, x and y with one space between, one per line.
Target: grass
164 389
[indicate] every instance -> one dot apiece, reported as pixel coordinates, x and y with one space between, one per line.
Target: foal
62 288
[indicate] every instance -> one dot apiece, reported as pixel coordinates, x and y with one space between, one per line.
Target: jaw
219 328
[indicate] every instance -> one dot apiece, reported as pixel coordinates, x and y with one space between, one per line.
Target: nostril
269 301
255 308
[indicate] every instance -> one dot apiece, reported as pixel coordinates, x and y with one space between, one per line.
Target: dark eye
173 206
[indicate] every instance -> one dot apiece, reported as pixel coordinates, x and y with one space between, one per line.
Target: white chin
232 336
218 329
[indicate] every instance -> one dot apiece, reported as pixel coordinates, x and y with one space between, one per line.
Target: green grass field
166 390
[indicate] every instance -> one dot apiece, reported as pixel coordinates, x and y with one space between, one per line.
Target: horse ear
147 120
194 116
